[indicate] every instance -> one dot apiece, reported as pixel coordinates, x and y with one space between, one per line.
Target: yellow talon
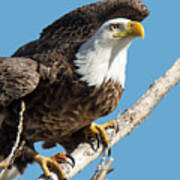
95 129
45 163
3 165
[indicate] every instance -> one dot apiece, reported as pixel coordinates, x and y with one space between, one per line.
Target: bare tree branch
101 165
105 169
84 154
17 146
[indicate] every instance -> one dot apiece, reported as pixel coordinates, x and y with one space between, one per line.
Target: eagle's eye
114 27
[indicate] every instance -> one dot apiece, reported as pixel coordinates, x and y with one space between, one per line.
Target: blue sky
151 151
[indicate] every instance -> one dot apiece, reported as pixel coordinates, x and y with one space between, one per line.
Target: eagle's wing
18 77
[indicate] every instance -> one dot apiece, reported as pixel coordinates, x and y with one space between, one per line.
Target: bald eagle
72 75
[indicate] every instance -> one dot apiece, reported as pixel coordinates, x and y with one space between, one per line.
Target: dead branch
17 146
105 170
101 166
84 154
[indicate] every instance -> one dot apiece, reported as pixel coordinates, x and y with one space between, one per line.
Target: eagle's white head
103 56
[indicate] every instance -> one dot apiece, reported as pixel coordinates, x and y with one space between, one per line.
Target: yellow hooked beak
134 29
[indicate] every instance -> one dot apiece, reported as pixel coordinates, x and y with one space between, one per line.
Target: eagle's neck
100 62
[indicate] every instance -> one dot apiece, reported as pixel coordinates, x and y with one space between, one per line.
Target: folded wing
18 77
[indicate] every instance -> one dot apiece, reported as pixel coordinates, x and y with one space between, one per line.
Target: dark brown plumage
42 73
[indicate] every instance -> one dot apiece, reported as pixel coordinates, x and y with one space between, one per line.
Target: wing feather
18 77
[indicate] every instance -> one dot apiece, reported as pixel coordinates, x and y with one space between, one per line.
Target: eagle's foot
3 165
53 163
62 158
96 131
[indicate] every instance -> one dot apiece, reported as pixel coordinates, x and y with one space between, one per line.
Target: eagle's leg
52 162
95 130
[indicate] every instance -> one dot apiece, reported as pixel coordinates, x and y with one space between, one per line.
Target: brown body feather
58 104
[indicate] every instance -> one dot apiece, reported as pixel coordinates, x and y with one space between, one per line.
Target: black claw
109 152
92 145
72 159
91 142
49 178
10 166
98 140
